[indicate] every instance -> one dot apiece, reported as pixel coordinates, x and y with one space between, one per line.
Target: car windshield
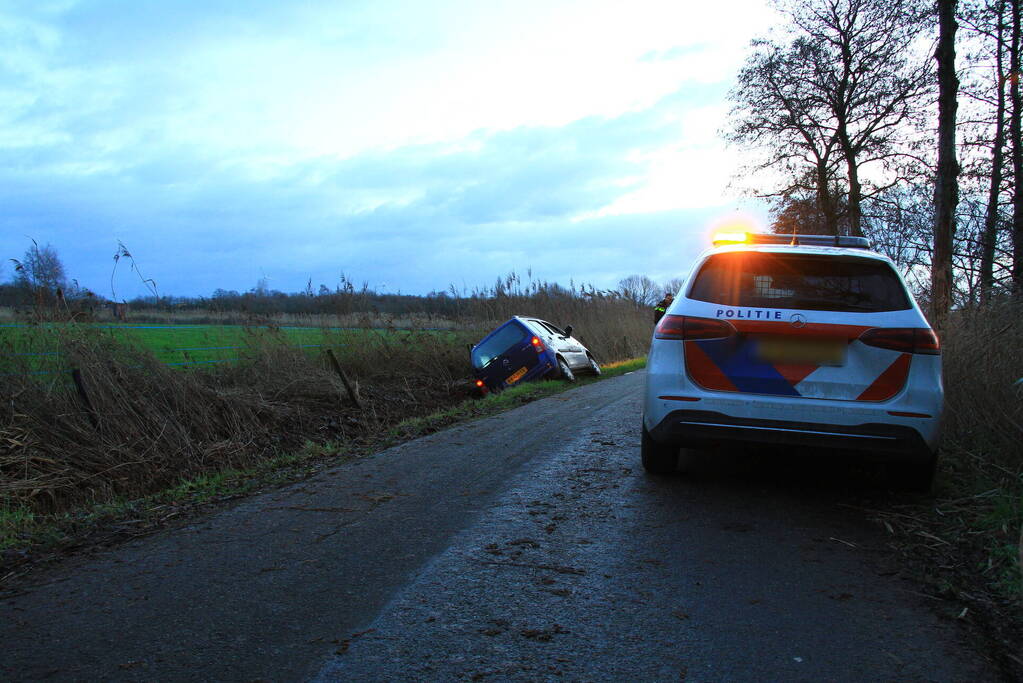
502 340
807 281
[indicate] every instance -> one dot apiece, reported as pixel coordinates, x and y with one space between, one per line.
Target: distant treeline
345 298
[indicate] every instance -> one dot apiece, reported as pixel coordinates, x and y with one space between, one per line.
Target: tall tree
989 236
847 86
946 182
1016 135
868 77
775 112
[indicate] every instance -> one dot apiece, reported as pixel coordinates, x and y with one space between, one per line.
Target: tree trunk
853 210
1017 151
946 185
855 199
825 203
990 234
842 114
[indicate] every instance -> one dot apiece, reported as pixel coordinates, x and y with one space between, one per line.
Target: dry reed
111 421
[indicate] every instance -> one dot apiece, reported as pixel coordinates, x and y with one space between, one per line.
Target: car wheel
594 367
658 458
913 476
565 372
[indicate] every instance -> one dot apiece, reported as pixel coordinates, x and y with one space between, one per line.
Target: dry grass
967 540
984 435
132 426
137 425
983 356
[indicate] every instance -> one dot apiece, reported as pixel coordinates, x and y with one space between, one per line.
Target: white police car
795 340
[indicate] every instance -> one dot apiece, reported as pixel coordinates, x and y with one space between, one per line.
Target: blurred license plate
801 351
517 375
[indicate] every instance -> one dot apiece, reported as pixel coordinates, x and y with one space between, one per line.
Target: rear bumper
496 380
704 428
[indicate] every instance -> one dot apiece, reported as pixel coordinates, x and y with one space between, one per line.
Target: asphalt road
528 546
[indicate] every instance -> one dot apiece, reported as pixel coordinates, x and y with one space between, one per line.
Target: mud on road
528 546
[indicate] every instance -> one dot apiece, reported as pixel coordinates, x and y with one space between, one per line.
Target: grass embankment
966 539
24 532
108 421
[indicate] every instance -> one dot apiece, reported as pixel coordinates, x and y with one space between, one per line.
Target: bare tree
775 113
41 270
673 285
1016 138
640 289
946 182
869 79
847 87
989 22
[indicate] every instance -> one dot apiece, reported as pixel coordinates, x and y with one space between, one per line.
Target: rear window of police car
805 281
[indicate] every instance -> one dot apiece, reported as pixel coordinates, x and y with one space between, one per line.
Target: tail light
685 327
537 344
906 339
482 387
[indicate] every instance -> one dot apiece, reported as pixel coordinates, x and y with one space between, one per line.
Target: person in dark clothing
662 306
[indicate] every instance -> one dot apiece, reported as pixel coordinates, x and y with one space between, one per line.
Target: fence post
352 394
76 375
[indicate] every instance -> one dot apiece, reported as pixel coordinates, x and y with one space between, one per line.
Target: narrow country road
527 546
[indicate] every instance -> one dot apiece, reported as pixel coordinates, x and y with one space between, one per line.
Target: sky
413 146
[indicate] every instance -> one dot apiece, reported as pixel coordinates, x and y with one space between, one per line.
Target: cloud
418 217
402 143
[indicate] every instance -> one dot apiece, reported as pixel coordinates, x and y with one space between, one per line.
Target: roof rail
792 240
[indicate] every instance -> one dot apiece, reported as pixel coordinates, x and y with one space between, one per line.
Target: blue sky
410 145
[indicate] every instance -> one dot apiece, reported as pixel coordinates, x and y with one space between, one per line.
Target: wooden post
352 394
76 375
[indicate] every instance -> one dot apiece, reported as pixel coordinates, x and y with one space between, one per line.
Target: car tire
565 372
594 367
658 458
913 476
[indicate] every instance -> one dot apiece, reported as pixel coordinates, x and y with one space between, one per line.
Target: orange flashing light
537 344
730 237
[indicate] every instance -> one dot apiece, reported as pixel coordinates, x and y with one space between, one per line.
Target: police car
798 340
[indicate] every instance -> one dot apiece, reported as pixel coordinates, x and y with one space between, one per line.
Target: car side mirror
568 330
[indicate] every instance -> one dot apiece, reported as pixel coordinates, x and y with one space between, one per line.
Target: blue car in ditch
524 349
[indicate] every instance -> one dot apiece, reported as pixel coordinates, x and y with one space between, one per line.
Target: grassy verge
497 403
966 540
27 535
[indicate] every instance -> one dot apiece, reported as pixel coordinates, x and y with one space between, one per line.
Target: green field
37 348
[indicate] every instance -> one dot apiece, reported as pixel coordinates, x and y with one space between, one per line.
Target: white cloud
219 137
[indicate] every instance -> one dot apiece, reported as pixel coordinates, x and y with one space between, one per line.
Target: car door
550 339
569 347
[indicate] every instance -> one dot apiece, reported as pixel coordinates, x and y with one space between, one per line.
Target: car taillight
537 344
685 327
905 339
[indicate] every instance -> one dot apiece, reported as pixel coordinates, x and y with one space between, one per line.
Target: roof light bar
727 238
